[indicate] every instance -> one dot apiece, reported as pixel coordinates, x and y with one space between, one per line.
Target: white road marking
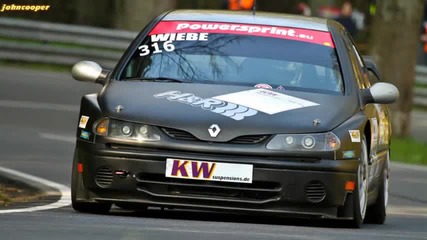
39 105
65 191
56 137
407 211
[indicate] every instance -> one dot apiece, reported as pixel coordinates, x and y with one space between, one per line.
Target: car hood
237 110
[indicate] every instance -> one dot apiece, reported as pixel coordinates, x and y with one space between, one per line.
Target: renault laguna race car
216 110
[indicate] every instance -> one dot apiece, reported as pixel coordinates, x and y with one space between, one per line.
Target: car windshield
249 55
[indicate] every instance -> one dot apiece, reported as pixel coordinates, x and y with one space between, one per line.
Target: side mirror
87 71
383 93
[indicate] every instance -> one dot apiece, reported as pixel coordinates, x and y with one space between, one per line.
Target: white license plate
209 171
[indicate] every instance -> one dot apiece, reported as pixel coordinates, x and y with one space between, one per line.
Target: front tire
377 213
361 190
87 207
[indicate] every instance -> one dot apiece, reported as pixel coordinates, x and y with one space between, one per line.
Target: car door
370 110
384 125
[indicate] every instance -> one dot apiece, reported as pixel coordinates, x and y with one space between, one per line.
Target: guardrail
35 41
420 91
65 44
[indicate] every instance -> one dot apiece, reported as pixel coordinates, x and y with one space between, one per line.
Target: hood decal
266 101
224 108
241 104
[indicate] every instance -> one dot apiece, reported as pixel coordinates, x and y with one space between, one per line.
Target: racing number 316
167 46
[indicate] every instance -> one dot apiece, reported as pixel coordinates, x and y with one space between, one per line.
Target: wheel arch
367 132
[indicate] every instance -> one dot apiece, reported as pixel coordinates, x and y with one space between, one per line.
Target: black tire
97 208
87 207
358 212
377 213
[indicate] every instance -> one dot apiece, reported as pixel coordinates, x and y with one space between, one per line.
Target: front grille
315 192
183 135
249 139
257 192
208 155
179 134
104 177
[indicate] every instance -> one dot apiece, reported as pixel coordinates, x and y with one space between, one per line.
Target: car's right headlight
126 130
305 142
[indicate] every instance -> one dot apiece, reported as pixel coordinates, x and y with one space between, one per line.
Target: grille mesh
183 135
249 139
179 134
104 177
315 192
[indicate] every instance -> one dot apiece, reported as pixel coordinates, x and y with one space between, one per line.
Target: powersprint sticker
187 27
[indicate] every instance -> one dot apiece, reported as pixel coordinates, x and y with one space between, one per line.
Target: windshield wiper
159 79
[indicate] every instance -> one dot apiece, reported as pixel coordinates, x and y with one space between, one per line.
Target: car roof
247 17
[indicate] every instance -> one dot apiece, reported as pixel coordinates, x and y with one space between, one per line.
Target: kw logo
192 169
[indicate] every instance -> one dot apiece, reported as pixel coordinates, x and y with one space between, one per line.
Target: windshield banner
178 31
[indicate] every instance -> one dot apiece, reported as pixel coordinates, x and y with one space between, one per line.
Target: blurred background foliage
134 14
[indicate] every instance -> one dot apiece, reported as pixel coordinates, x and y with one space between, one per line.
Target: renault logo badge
119 108
214 130
316 122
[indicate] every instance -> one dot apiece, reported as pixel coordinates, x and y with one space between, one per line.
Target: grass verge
12 192
408 150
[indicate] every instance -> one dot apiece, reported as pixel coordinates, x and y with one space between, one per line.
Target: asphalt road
38 115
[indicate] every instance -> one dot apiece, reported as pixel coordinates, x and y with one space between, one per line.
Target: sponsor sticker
263 85
85 135
163 28
208 171
348 154
231 110
83 121
354 135
266 101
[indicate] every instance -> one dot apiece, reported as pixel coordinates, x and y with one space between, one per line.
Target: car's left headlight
305 142
126 130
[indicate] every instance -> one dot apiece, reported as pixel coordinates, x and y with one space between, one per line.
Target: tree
92 12
135 14
288 6
394 38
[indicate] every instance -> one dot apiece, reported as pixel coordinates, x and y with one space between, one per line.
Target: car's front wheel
377 213
88 207
361 190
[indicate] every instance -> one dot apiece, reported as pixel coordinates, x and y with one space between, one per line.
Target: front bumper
305 187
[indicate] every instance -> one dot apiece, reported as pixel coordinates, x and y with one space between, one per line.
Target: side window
373 78
358 64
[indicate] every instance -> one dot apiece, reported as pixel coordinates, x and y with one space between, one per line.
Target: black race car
216 110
